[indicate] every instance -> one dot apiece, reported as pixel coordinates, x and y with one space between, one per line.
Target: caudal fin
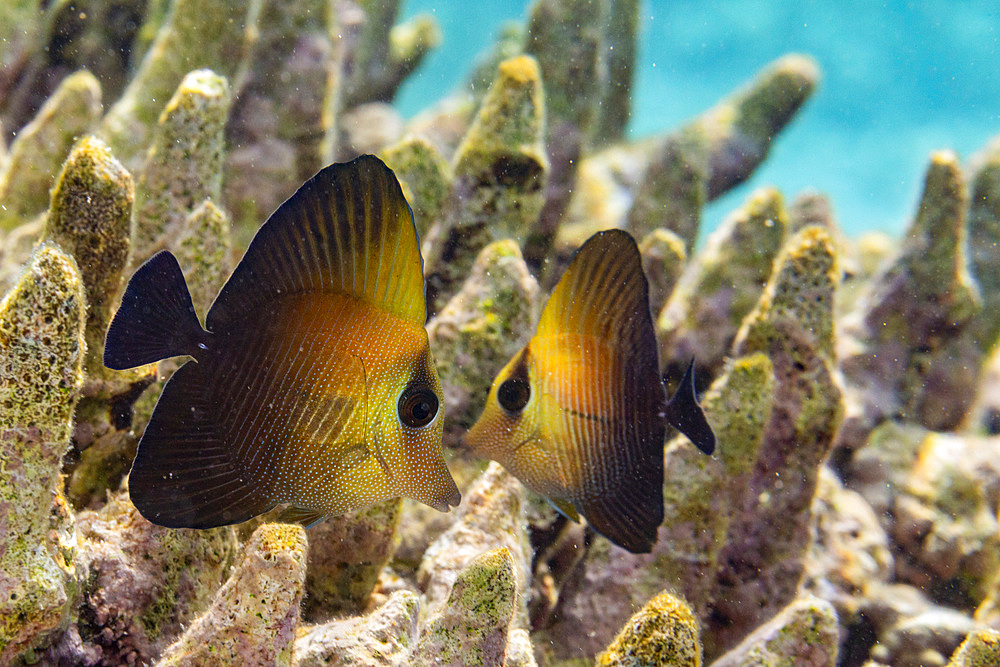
156 319
685 415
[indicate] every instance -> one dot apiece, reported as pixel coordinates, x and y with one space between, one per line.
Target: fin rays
354 212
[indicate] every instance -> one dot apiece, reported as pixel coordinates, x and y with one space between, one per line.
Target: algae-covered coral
848 517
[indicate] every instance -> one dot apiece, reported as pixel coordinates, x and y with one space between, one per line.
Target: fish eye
417 406
513 394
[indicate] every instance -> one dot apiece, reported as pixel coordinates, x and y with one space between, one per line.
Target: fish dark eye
417 406
513 394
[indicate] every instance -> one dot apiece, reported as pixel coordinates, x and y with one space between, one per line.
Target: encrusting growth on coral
480 328
804 633
203 247
738 132
701 496
980 649
89 218
425 177
721 285
212 34
386 636
345 557
221 110
793 324
491 517
184 163
499 178
663 632
471 627
42 350
253 617
663 260
42 145
897 352
145 582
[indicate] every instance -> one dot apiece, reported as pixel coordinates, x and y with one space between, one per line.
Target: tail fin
156 319
685 415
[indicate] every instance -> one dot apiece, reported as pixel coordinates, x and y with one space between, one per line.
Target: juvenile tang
313 384
579 413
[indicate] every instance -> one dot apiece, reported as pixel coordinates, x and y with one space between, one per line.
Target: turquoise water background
900 79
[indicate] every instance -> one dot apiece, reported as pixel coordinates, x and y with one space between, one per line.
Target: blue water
900 80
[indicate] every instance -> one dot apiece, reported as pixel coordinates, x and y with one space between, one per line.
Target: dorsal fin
348 230
604 294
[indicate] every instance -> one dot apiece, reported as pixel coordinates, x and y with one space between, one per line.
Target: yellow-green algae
673 189
471 627
980 649
184 163
721 285
42 350
203 248
208 34
663 632
663 259
481 328
491 516
804 633
89 217
425 177
384 637
701 494
146 581
739 131
346 555
499 178
793 324
42 145
903 359
384 52
254 615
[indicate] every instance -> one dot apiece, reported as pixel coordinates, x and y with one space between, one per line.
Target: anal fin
565 508
183 476
301 515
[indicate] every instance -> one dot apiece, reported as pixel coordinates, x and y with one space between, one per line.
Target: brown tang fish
314 383
579 413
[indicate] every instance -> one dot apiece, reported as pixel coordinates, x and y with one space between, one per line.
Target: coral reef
145 582
664 632
384 637
346 555
804 633
41 371
981 648
253 617
41 147
471 626
806 342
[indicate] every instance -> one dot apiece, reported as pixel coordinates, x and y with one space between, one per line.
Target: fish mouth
443 502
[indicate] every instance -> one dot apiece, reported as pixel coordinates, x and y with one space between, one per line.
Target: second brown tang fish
313 385
579 413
